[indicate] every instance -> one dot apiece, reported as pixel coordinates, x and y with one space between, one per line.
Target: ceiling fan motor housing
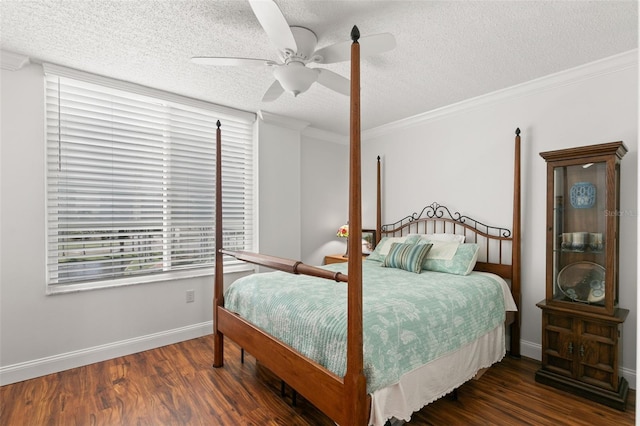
306 42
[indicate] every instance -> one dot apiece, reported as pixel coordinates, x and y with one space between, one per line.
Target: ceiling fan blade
369 45
273 92
334 81
274 24
222 61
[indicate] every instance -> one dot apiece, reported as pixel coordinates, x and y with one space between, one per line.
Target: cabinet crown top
617 148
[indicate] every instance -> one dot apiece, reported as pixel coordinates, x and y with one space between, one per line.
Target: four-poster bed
344 393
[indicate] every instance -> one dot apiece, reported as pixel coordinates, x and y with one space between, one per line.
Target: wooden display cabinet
581 320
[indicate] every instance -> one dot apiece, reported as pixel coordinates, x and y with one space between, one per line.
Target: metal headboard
495 242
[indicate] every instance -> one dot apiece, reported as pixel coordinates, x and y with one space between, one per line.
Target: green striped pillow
406 256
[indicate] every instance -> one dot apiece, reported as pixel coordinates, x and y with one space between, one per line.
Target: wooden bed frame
343 399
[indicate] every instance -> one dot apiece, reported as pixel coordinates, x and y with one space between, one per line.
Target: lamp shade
343 231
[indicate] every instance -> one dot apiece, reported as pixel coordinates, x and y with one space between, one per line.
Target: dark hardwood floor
176 385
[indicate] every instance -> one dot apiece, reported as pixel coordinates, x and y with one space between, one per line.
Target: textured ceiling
447 51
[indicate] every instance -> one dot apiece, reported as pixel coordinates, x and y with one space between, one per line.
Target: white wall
279 185
302 186
462 157
43 334
325 199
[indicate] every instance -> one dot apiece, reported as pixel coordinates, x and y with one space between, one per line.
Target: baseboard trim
56 363
531 350
630 375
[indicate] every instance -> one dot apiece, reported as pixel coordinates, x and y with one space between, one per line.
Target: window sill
55 289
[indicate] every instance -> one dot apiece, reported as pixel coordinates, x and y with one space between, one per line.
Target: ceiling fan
296 49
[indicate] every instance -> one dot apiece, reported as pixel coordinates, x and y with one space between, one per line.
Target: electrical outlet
191 296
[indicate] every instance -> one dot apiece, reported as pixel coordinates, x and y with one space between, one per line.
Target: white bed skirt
432 381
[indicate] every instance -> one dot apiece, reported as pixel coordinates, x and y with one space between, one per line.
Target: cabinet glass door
580 233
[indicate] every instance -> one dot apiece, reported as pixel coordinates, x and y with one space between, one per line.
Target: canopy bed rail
286 265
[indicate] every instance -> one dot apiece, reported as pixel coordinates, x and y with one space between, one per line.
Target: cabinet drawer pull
571 347
581 350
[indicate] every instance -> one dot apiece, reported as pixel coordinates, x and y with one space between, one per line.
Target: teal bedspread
409 319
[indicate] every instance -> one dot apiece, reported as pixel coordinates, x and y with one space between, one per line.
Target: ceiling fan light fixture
295 78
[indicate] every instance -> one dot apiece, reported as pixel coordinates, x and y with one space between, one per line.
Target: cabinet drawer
560 323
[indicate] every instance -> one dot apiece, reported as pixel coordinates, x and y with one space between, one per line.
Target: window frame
231 265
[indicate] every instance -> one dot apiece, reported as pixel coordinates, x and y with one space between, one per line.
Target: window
131 182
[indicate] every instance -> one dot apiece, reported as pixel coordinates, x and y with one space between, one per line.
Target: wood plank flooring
176 385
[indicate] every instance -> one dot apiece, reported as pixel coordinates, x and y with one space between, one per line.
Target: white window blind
131 184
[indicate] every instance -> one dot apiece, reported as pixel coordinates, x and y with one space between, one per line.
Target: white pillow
382 249
385 245
442 237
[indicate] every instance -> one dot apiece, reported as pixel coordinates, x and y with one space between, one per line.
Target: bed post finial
518 131
355 34
218 124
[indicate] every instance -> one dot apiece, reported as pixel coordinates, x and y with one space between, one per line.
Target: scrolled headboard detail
436 212
495 242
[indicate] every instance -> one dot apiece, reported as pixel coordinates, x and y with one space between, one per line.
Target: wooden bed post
516 249
378 205
218 337
354 379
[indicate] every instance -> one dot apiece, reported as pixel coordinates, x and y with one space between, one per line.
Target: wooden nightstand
337 258
334 258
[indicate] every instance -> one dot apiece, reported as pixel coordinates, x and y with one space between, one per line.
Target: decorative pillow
406 256
383 247
462 263
444 250
441 237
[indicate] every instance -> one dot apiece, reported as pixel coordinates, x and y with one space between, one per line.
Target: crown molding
282 121
12 61
611 64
